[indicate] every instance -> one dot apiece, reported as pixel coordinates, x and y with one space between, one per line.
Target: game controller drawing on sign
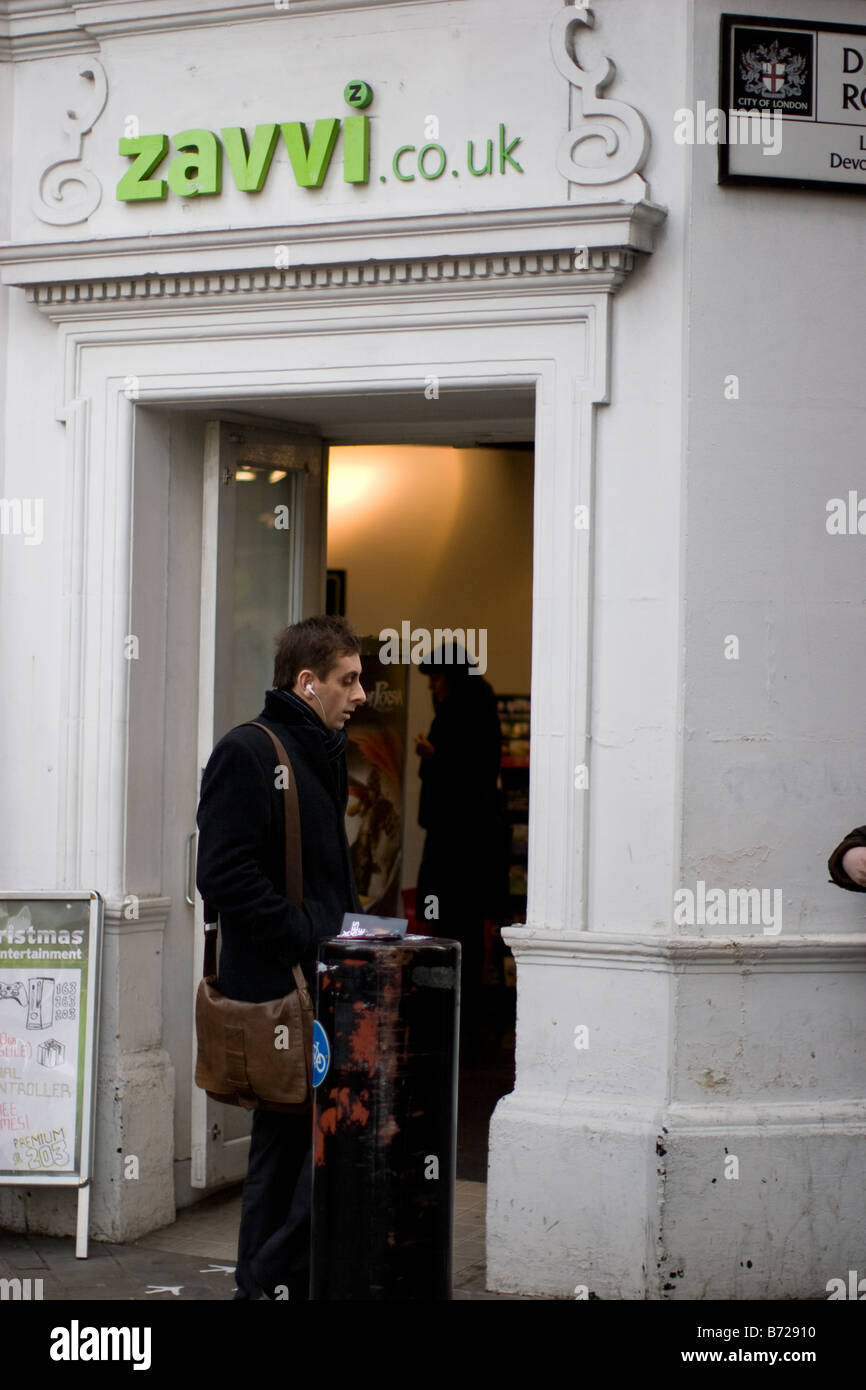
36 997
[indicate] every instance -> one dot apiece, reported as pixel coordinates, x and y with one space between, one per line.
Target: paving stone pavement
193 1259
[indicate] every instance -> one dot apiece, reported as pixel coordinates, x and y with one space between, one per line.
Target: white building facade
318 208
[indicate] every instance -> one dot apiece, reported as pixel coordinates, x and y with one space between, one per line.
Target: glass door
263 566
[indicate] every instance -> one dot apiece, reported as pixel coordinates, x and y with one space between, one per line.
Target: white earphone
309 688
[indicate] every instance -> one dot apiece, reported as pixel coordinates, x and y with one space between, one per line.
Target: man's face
340 694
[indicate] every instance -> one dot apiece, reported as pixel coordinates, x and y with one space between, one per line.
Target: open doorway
427 539
436 528
437 531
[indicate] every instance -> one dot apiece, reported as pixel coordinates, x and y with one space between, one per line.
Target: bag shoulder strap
294 866
294 869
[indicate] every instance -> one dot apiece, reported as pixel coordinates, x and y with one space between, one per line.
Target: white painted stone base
794 1219
581 1200
707 1143
134 1118
570 1200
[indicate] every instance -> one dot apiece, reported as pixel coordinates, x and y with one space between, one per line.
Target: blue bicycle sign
321 1053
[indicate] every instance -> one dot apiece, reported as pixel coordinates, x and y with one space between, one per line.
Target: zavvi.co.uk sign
196 168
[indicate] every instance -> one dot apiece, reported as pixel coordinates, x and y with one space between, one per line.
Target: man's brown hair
316 643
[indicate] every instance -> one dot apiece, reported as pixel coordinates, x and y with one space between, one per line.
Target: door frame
550 896
489 323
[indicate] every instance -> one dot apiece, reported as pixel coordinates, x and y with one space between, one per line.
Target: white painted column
134 1141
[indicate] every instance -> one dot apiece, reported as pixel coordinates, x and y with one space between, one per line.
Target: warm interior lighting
409 492
358 484
245 475
276 475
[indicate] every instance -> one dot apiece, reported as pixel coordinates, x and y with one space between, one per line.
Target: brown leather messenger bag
259 1056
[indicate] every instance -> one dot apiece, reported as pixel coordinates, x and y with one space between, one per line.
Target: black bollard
385 1118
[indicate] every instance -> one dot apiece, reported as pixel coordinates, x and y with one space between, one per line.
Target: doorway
478 501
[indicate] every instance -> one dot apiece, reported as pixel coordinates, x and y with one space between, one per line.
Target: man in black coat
241 876
463 867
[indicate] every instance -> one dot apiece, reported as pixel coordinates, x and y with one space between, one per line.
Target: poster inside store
376 757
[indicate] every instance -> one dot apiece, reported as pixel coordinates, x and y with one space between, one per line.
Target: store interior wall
439 537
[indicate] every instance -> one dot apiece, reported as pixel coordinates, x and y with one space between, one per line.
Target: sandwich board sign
50 958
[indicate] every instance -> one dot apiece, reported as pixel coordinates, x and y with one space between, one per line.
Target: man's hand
423 747
854 864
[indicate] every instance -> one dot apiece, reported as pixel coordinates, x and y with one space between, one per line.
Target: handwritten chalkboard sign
50 954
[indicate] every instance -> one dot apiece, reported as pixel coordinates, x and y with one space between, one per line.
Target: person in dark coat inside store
847 863
463 876
241 875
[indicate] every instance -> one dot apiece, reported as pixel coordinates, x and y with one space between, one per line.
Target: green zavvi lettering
189 177
310 160
250 166
356 149
137 186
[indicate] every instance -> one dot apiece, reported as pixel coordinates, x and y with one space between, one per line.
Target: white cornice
495 232
114 17
151 914
40 29
641 951
43 28
605 270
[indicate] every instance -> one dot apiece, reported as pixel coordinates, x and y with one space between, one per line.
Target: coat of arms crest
771 70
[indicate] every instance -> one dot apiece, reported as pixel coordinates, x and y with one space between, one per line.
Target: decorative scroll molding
52 203
621 127
598 267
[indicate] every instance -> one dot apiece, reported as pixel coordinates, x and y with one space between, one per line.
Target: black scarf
335 739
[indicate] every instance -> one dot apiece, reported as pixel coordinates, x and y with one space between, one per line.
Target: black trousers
274 1236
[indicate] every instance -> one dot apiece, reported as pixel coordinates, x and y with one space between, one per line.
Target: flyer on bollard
361 924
